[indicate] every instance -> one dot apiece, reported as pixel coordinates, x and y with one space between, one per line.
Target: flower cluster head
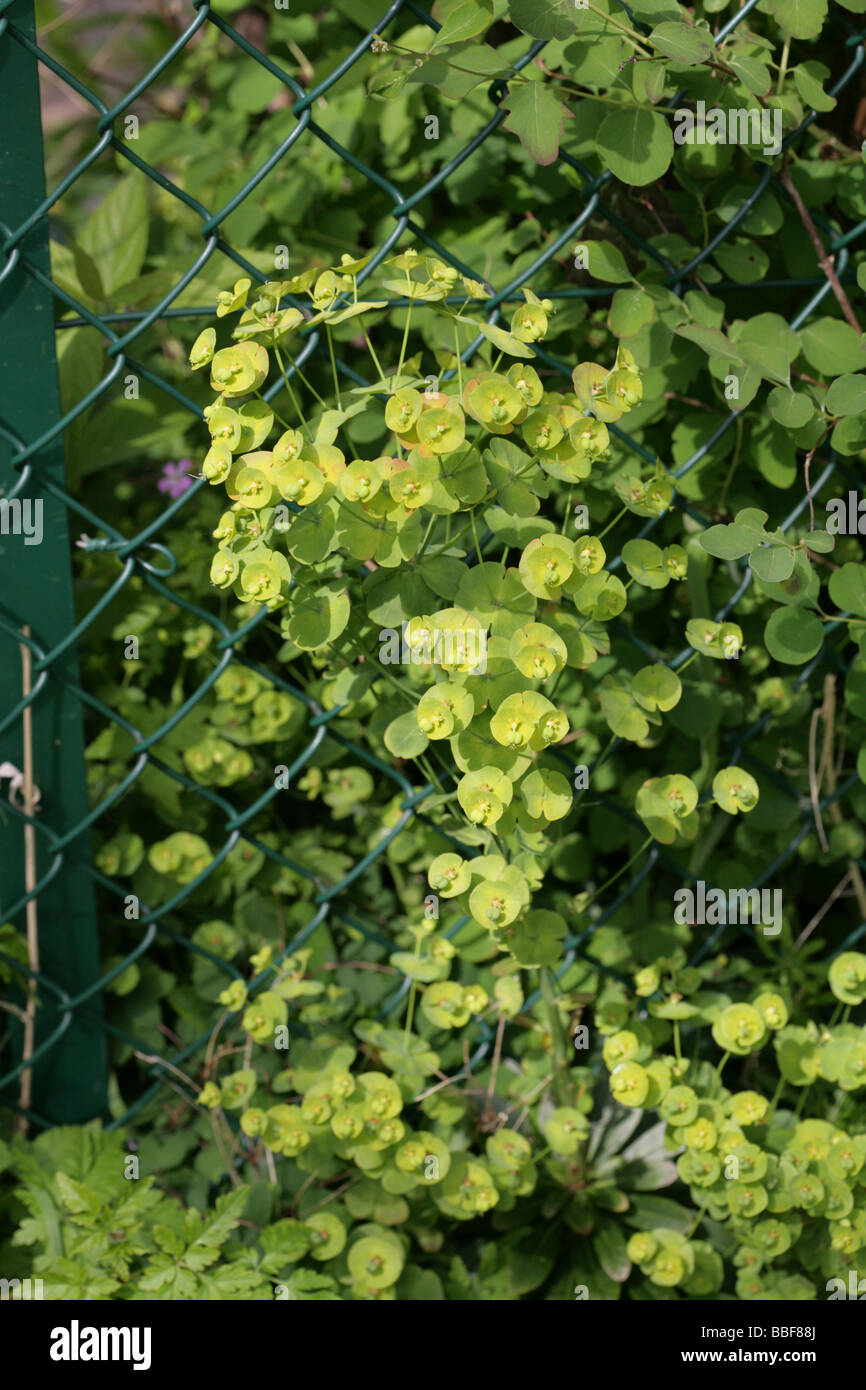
485 647
761 1172
609 394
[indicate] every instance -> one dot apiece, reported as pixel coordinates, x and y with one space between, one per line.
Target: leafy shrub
542 577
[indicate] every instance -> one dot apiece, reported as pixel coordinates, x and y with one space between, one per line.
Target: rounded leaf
735 790
847 977
635 145
449 875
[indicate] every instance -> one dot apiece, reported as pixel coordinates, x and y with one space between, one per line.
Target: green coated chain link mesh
62 863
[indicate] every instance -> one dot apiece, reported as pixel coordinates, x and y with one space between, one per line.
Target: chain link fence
57 872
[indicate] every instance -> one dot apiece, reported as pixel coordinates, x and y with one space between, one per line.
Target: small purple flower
175 479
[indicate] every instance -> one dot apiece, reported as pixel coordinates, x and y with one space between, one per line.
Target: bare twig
224 1154
822 911
528 1099
14 1010
303 1187
272 1168
824 260
693 400
209 1060
356 965
494 1070
331 1195
826 773
172 1037
814 782
806 468
152 1058
446 1081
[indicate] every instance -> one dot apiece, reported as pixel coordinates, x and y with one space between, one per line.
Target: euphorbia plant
431 551
479 468
783 1196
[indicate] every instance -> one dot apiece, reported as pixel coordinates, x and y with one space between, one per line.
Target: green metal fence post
70 1082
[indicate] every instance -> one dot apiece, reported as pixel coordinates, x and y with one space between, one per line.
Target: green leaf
211 1230
648 81
681 43
77 1197
536 939
80 359
482 59
322 429
801 588
609 1242
630 311
774 453
791 409
635 145
656 687
644 561
546 794
310 534
848 589
820 542
712 341
646 1213
832 347
722 641
252 89
500 338
849 434
772 563
742 260
753 74
464 20
768 330
536 118
115 234
600 596
604 261
792 636
809 79
318 619
735 790
423 968
389 83
403 738
545 19
620 709
733 541
493 594
482 62
767 359
88 273
847 395
363 306
595 61
802 19
307 1285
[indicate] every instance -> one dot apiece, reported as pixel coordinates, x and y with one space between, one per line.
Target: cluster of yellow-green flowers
774 1183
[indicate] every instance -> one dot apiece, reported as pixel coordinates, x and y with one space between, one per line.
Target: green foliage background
701 264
